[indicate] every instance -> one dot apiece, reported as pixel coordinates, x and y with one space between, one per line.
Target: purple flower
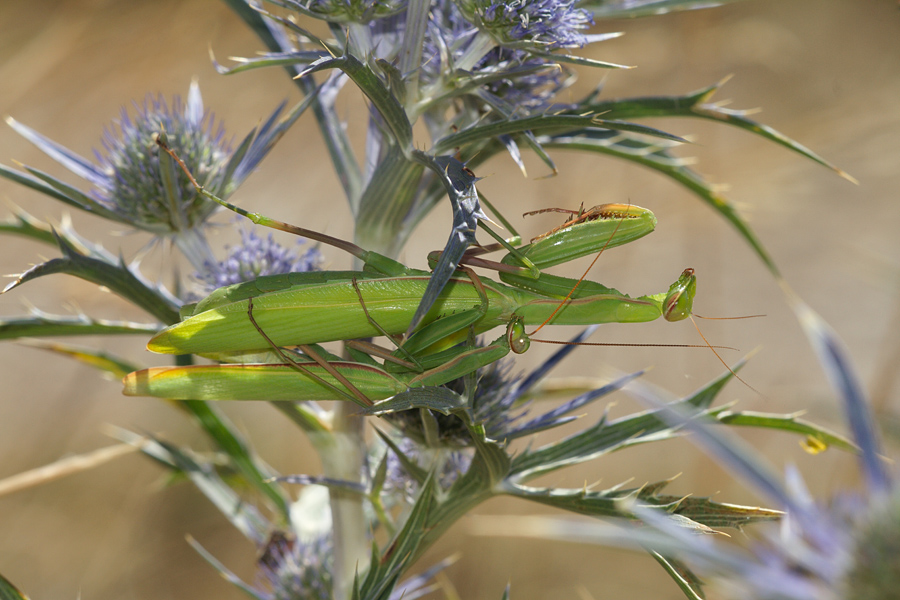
131 186
254 258
533 24
296 569
134 187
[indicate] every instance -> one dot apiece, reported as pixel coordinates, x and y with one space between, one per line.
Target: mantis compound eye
515 335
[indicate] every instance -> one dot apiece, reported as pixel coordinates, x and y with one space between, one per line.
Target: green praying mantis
305 309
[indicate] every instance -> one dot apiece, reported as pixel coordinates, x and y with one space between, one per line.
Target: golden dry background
827 73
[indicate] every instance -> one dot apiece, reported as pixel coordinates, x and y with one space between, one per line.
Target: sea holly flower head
130 184
451 456
533 90
532 24
138 184
296 569
448 465
255 257
135 187
347 11
492 404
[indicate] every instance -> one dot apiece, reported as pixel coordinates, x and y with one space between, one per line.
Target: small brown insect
601 211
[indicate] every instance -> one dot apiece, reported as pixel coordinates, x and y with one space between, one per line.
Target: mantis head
680 299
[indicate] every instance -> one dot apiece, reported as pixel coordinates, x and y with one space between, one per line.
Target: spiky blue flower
533 82
534 24
134 184
254 257
297 569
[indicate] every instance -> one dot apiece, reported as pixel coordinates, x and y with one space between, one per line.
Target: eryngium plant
481 79
845 549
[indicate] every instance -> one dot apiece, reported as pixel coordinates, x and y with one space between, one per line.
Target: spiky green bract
93 263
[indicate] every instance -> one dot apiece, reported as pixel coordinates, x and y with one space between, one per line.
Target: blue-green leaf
117 277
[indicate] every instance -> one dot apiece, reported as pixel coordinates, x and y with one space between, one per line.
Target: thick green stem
344 460
411 49
385 207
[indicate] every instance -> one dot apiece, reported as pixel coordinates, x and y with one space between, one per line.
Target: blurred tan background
826 73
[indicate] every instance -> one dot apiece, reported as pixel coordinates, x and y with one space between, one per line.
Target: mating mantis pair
304 309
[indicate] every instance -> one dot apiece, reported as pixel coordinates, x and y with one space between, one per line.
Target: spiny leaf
787 423
333 133
696 104
43 324
609 503
226 573
117 277
376 91
684 578
10 592
240 513
26 225
98 359
547 124
609 436
388 567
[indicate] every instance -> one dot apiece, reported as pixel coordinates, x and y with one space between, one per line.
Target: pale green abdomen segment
310 314
256 382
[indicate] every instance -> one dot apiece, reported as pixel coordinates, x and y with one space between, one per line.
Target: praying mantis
310 308
304 309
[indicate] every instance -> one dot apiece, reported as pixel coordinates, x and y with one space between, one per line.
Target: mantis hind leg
412 363
351 392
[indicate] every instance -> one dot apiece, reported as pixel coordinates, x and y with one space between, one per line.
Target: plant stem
344 460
